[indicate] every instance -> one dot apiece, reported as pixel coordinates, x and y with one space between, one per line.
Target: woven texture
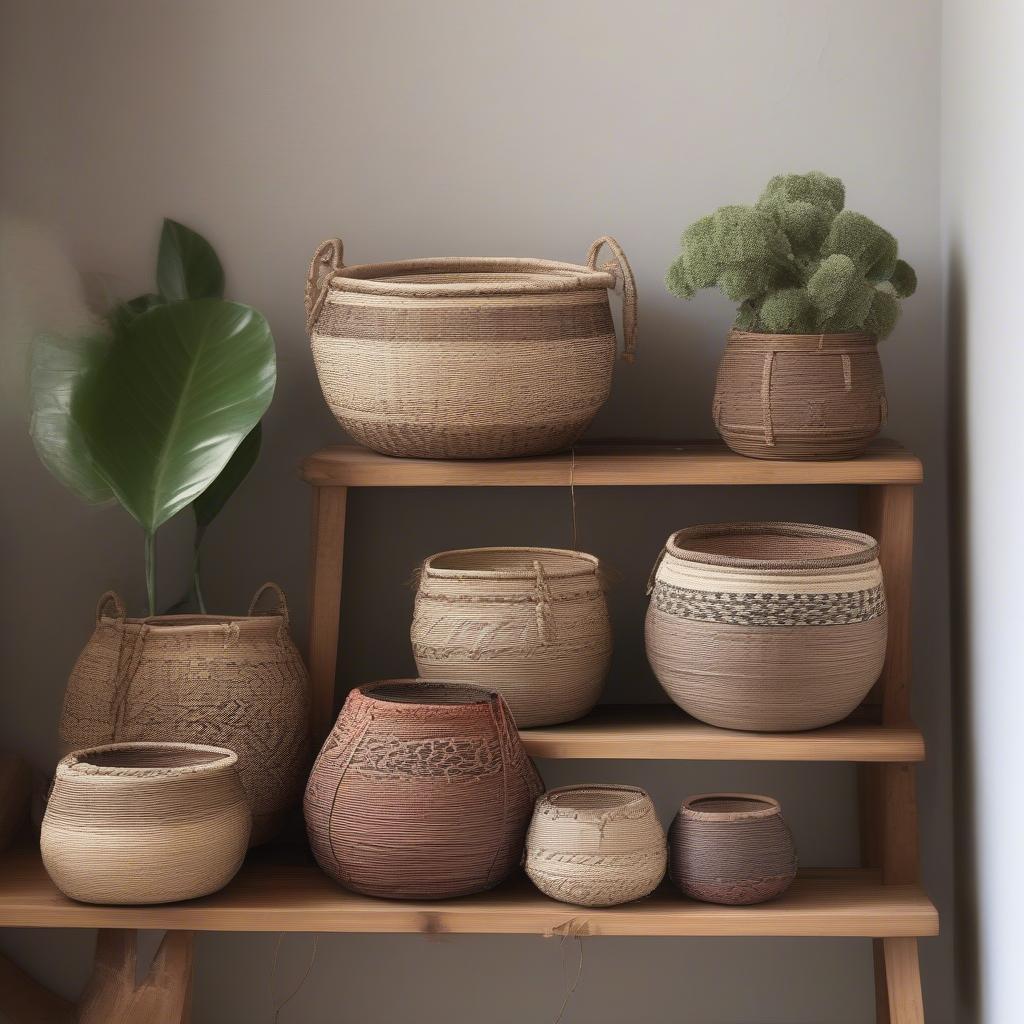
145 823
422 791
232 681
731 848
799 396
470 358
531 623
596 846
767 626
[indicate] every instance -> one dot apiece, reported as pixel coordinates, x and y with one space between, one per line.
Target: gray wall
463 127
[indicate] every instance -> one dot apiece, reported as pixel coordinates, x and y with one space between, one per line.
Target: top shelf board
682 463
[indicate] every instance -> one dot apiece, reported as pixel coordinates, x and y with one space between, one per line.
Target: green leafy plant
796 261
160 407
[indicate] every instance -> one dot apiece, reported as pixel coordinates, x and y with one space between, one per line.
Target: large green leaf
184 385
186 265
60 369
208 505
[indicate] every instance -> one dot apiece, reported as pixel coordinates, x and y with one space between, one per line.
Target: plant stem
151 571
196 588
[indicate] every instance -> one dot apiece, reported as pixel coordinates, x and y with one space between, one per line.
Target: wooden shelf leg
325 602
903 980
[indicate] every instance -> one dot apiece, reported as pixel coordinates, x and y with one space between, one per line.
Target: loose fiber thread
279 1006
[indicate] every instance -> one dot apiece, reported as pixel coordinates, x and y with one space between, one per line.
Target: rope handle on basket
329 256
623 271
543 609
654 570
280 601
111 597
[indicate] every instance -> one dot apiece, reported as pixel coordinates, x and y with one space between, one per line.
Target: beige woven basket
466 358
231 680
731 848
596 846
530 623
145 823
799 396
767 626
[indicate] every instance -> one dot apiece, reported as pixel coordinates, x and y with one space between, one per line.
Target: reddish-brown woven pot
731 848
422 791
799 396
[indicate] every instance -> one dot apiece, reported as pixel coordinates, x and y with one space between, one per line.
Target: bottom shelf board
283 890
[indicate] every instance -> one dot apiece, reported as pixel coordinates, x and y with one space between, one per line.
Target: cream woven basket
731 848
767 626
145 823
596 846
466 358
531 623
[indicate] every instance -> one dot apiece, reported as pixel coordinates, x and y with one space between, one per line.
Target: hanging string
574 545
570 989
278 1007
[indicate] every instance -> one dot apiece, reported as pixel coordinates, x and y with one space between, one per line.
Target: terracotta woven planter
145 823
731 848
767 626
466 358
799 396
234 681
596 846
529 622
422 791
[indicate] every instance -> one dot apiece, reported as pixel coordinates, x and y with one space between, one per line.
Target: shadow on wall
965 876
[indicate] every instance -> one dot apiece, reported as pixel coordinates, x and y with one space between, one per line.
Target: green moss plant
796 261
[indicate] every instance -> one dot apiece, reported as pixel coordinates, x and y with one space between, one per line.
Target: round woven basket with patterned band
531 623
596 846
466 358
236 681
145 823
731 848
799 396
767 626
422 791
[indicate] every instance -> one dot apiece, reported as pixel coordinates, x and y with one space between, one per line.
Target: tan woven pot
731 848
767 626
231 680
799 396
422 791
145 823
466 358
596 845
529 622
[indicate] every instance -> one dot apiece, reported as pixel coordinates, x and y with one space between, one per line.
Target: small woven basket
731 848
145 823
466 358
799 396
596 846
531 623
767 626
422 791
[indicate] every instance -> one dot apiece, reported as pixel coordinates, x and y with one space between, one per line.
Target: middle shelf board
663 732
281 890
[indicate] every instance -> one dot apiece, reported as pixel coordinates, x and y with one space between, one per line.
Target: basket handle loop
280 603
111 600
543 608
329 256
623 271
654 570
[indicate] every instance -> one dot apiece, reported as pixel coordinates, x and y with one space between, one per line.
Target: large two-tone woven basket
531 623
767 626
422 791
145 823
799 396
466 358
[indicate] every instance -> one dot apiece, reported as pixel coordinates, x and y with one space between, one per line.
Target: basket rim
557 277
589 564
639 796
867 545
809 342
769 807
191 622
483 696
75 764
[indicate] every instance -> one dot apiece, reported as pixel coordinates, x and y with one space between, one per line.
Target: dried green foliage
796 261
